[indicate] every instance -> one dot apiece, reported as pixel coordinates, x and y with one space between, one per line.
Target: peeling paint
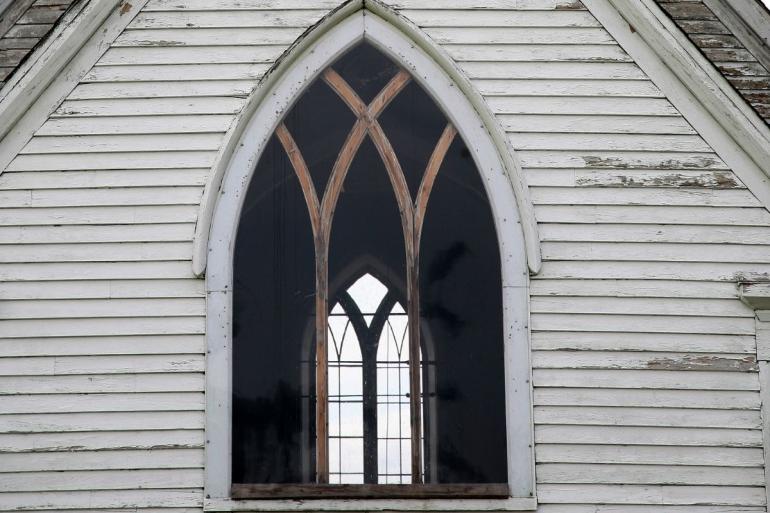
672 164
751 277
575 5
159 42
126 7
713 363
709 180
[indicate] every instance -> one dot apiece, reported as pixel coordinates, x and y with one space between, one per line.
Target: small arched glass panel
367 330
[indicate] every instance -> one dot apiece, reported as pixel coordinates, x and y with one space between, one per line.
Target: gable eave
56 66
699 91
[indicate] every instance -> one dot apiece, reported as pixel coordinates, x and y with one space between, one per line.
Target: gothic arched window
367 310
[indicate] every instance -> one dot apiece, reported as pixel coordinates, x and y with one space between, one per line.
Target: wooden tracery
321 211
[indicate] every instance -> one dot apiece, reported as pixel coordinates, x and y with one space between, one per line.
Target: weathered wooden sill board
369 491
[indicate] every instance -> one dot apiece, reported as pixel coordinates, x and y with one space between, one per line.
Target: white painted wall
646 386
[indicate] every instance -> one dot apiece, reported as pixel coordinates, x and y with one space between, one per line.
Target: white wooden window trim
691 83
355 27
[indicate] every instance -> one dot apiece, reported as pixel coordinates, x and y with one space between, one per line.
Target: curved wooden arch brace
348 21
503 180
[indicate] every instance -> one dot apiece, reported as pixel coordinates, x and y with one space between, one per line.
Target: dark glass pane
413 124
366 231
461 310
319 123
367 237
366 69
273 327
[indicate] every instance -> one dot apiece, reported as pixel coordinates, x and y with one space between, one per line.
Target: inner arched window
367 310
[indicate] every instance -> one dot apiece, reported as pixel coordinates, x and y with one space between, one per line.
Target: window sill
364 491
356 505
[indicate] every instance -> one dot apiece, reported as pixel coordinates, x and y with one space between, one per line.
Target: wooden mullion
328 205
322 369
321 306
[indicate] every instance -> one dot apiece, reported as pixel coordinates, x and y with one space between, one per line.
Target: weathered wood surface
645 384
721 46
22 26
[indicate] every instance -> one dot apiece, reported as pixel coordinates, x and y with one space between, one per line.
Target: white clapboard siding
104 480
149 73
117 143
129 459
87 252
649 474
732 272
112 364
647 398
643 341
211 37
83 326
630 494
645 379
706 216
650 455
641 360
567 87
646 435
96 233
521 35
102 215
94 441
98 179
656 233
60 403
637 305
182 55
585 123
654 416
149 106
646 392
104 125
227 18
636 290
102 421
102 383
108 345
61 308
95 271
132 288
185 500
177 88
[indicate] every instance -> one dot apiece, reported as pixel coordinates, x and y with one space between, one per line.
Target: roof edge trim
749 22
701 94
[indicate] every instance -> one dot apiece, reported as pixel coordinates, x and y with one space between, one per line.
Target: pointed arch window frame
355 27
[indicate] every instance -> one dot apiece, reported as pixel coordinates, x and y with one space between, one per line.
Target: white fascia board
4 4
691 83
